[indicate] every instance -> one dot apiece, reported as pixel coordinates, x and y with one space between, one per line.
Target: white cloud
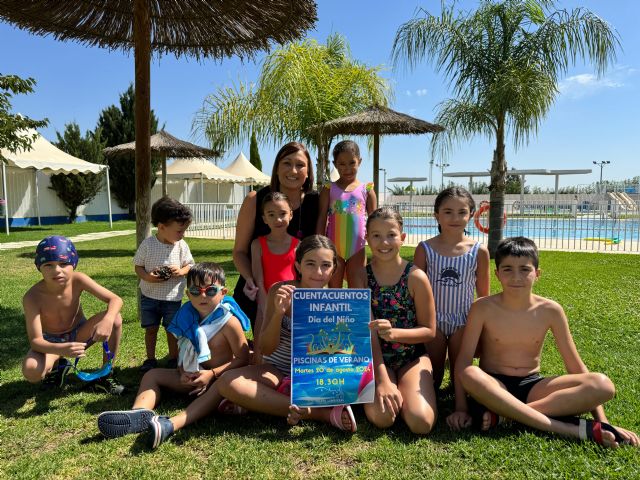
408 92
587 84
421 92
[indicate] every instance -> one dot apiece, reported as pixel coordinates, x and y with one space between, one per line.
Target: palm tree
300 85
503 62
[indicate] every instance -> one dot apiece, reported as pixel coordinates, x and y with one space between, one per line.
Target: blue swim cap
56 249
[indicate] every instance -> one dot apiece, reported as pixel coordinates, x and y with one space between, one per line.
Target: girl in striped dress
265 388
345 204
457 267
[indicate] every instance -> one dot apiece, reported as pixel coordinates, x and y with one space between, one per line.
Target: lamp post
601 165
442 166
384 185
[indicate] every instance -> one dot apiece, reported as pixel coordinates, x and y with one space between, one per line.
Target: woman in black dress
292 175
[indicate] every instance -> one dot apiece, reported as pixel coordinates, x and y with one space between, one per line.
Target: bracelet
215 375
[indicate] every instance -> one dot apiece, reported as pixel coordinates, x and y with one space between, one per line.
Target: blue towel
186 321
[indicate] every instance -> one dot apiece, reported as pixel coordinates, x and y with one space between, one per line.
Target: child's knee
603 385
117 323
32 370
420 425
153 330
470 377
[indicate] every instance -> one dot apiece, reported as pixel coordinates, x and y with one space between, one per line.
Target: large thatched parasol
165 145
376 121
199 28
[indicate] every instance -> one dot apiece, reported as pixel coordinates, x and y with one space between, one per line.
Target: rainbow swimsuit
348 218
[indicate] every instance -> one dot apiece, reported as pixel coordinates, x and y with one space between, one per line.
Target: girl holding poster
403 315
263 388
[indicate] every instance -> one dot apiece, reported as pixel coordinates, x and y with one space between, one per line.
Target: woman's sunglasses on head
209 291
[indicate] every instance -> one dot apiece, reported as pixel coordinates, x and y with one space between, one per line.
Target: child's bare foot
296 414
342 418
491 420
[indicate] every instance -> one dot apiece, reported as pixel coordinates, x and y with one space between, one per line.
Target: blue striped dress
453 280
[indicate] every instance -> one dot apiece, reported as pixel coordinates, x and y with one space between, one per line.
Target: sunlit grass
54 434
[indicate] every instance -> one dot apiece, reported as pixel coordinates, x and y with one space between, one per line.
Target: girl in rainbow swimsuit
344 207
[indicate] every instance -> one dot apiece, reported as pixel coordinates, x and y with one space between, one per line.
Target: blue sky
593 119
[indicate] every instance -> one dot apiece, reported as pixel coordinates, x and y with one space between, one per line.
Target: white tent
242 167
49 159
202 169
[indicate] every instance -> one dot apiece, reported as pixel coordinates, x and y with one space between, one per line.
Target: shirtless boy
56 324
510 328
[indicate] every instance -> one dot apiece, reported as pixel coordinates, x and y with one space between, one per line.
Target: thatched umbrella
199 28
165 145
376 121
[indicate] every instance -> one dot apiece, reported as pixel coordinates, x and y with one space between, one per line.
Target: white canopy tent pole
109 198
35 176
218 192
6 199
201 187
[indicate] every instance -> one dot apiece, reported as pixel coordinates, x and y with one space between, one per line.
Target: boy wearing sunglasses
209 329
56 324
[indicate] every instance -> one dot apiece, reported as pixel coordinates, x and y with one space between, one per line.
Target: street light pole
442 166
601 165
385 185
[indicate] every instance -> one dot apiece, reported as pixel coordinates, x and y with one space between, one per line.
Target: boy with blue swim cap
56 324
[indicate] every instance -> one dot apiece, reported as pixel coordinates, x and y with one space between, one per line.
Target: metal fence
213 220
564 225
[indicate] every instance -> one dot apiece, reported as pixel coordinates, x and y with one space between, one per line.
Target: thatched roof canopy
165 144
377 120
198 28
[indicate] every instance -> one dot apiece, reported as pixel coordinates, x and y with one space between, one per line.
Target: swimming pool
578 228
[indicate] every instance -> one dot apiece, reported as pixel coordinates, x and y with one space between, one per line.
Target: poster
331 360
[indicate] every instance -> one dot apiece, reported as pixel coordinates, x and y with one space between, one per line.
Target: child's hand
250 289
389 398
74 350
282 298
102 330
175 271
383 328
200 381
459 420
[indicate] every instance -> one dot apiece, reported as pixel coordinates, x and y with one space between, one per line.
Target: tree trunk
497 188
323 145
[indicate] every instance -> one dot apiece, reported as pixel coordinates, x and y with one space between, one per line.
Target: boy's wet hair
516 247
288 149
454 192
205 272
385 213
314 242
274 197
167 210
346 146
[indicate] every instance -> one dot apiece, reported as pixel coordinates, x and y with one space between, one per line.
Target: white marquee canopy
46 157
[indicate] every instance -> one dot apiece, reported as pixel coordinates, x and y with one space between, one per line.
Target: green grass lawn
21 234
53 434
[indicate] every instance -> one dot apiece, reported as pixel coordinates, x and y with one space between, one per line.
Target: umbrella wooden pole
142 49
164 175
376 164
